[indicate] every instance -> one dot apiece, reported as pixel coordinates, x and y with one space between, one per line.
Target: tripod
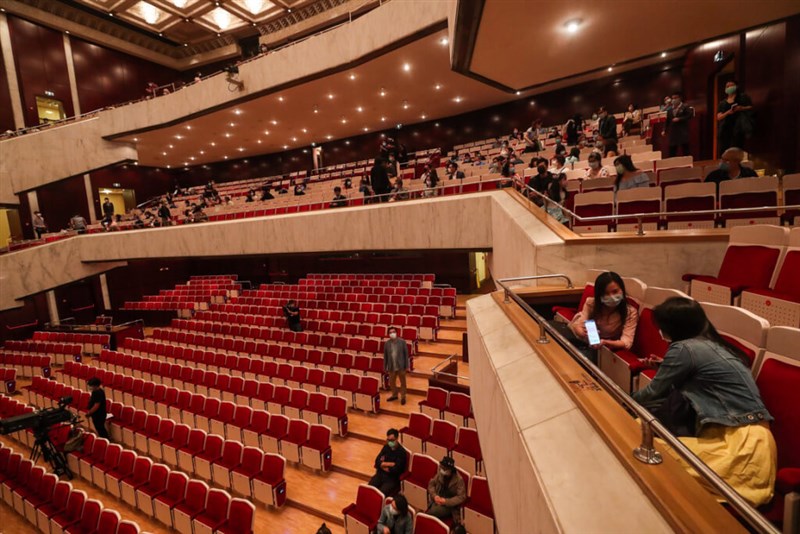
43 447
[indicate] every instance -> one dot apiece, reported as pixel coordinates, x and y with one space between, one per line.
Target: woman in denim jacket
732 429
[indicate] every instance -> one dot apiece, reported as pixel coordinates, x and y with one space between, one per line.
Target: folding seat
371 346
428 524
263 397
135 395
284 373
780 304
361 364
71 514
316 453
329 360
150 429
298 400
240 520
435 403
118 473
56 506
155 487
414 482
173 495
459 410
182 407
219 425
215 514
74 457
136 480
415 436
270 371
296 437
690 197
442 440
367 397
361 517
42 496
211 453
314 380
210 411
255 370
349 385
242 416
259 424
467 452
195 445
242 476
96 457
791 197
136 425
299 376
638 200
184 513
749 263
315 407
230 460
750 193
280 398
27 482
166 429
110 461
222 384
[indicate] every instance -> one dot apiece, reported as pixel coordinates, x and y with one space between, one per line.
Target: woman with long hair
731 431
396 517
628 176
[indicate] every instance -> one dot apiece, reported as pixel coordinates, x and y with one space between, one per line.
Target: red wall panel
59 201
41 65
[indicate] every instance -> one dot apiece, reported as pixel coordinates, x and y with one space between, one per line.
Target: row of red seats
440 438
451 406
92 343
176 298
26 365
265 290
370 276
254 305
335 301
8 380
59 351
53 505
344 282
477 512
193 293
207 277
317 363
232 336
352 323
300 399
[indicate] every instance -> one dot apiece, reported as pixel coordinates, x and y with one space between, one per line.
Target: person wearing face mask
396 362
628 176
616 320
667 104
676 128
389 465
596 169
726 423
395 517
292 314
558 165
541 180
730 167
446 492
97 407
735 117
607 126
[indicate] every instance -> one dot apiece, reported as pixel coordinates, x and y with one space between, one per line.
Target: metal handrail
640 216
650 426
435 371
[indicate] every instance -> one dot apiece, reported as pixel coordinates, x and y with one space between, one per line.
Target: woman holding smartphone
735 116
608 312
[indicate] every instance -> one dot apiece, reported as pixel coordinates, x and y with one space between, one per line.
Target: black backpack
325 530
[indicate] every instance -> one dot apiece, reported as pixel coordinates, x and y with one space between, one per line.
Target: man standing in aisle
396 362
677 126
97 407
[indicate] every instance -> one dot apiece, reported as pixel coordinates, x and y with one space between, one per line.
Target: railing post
506 298
645 452
640 229
542 336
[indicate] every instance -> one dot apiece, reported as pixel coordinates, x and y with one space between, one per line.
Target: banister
650 426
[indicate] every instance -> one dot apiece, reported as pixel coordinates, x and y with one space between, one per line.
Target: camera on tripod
41 422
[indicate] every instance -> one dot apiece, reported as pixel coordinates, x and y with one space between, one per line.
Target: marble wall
548 468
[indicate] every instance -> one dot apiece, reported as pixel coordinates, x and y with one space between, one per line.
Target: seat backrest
158 476
176 485
127 527
197 439
319 436
444 432
241 516
75 503
369 501
232 452
787 280
109 521
298 430
741 327
778 381
141 469
424 466
217 504
428 524
196 493
420 424
90 515
126 460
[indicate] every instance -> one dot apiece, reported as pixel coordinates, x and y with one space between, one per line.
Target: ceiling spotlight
366 129
179 137
359 109
185 163
407 67
294 139
266 132
188 126
227 134
274 122
444 41
330 96
65 31
185 44
610 69
237 111
344 121
437 86
171 146
240 149
423 117
135 139
225 157
405 104
289 10
663 54
518 93
163 153
231 124
383 92
259 141
304 130
285 147
169 166
316 109
347 142
383 119
352 76
572 25
328 137
213 143
191 158
280 99
313 144
160 34
202 152
457 99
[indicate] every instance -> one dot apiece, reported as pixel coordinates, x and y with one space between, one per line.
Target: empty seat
241 516
362 516
316 453
242 476
442 440
173 495
428 524
749 193
593 204
416 434
215 513
156 485
467 451
184 513
269 485
434 403
459 410
231 459
692 197
635 201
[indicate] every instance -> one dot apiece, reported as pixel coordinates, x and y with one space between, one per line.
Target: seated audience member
339 200
430 179
228 201
78 223
390 463
364 187
299 190
730 167
395 517
560 149
507 175
478 158
266 194
281 189
467 158
138 223
726 423
516 135
666 104
496 164
559 164
251 196
615 319
628 176
505 149
199 215
348 183
398 191
596 169
39 225
574 156
446 492
188 217
292 314
631 119
541 180
557 193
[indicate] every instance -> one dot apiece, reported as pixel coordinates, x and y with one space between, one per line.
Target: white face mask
444 472
594 164
393 335
612 301
393 510
620 169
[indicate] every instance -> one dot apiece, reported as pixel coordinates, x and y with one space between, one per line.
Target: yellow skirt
744 456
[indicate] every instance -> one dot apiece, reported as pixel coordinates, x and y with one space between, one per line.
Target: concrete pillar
52 308
73 84
104 291
11 73
87 181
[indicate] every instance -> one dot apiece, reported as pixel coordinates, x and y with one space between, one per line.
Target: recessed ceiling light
294 139
213 143
316 109
405 104
424 116
383 92
610 69
347 142
328 137
383 119
231 124
407 67
237 111
191 158
224 157
330 96
304 130
227 134
366 129
259 141
274 122
240 149
171 146
135 139
437 86
65 31
572 25
352 76
444 41
344 121
266 132
185 163
185 44
457 99
163 153
202 152
359 109
178 137
280 99
285 147
663 54
188 126
518 93
169 166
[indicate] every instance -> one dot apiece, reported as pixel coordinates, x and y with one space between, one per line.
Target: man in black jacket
607 126
389 465
379 178
677 126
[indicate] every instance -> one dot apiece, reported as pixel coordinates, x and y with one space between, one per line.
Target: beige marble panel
549 470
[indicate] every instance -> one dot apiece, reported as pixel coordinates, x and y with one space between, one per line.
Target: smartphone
592 333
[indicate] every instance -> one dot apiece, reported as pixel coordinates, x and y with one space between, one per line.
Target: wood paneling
59 201
6 114
41 66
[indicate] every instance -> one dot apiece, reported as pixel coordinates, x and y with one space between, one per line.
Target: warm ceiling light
407 67
294 139
457 99
328 137
169 166
221 18
352 76
259 141
304 130
347 142
383 119
266 132
149 13
274 122
344 121
518 93
405 104
663 54
610 69
330 96
163 153
359 109
191 158
444 41
227 134
188 126
423 117
240 149
172 146
135 139
383 92
224 157
316 109
231 124
179 3
366 129
437 86
202 152
285 147
237 111
254 6
280 99
213 143
572 25
185 163
178 137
